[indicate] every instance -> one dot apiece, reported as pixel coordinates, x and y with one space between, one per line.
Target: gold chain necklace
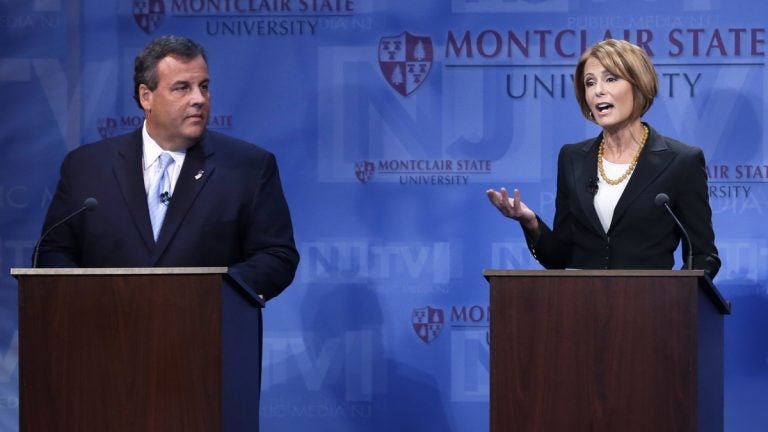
631 165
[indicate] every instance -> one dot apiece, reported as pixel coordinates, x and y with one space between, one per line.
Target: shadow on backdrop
746 356
342 377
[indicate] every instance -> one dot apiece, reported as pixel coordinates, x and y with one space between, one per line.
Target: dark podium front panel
578 350
166 349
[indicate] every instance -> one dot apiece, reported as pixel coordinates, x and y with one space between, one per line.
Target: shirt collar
151 150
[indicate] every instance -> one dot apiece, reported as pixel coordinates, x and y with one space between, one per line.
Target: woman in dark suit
607 215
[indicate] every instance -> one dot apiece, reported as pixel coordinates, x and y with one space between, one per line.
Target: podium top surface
592 273
721 303
257 298
116 271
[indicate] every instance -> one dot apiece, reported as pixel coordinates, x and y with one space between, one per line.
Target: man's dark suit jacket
227 209
642 235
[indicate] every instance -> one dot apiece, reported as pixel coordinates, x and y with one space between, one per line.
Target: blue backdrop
390 118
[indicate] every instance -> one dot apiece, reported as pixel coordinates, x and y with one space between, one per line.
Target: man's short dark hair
145 66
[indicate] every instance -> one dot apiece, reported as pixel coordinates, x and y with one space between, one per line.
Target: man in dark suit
225 205
217 202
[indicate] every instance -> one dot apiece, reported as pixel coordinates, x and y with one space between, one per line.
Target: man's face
177 110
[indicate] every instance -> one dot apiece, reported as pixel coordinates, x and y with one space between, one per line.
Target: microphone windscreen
661 199
90 203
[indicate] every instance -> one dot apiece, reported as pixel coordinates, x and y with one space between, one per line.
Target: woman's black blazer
642 234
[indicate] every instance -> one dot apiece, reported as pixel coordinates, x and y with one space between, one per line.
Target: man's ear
145 96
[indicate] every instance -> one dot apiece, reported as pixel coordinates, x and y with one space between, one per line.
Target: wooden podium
156 349
613 350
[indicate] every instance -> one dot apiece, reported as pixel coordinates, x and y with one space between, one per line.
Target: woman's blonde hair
627 61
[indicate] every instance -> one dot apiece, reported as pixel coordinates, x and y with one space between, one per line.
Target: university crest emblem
148 14
364 171
405 61
106 126
427 323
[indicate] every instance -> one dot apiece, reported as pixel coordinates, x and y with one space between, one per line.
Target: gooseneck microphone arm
662 199
88 204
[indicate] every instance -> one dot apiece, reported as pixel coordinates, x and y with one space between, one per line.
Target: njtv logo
349 261
352 361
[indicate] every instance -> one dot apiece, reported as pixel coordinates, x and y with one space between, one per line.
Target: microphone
592 186
165 197
662 199
88 204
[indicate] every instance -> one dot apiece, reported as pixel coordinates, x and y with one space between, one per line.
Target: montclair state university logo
148 14
405 61
427 323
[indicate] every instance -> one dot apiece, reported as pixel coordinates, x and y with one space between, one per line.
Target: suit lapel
128 171
584 171
653 160
194 174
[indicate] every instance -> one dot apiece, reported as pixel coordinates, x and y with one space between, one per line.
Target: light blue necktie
159 195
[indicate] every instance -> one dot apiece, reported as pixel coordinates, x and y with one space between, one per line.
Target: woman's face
609 97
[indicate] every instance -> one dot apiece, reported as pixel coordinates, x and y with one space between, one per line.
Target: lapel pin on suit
199 175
